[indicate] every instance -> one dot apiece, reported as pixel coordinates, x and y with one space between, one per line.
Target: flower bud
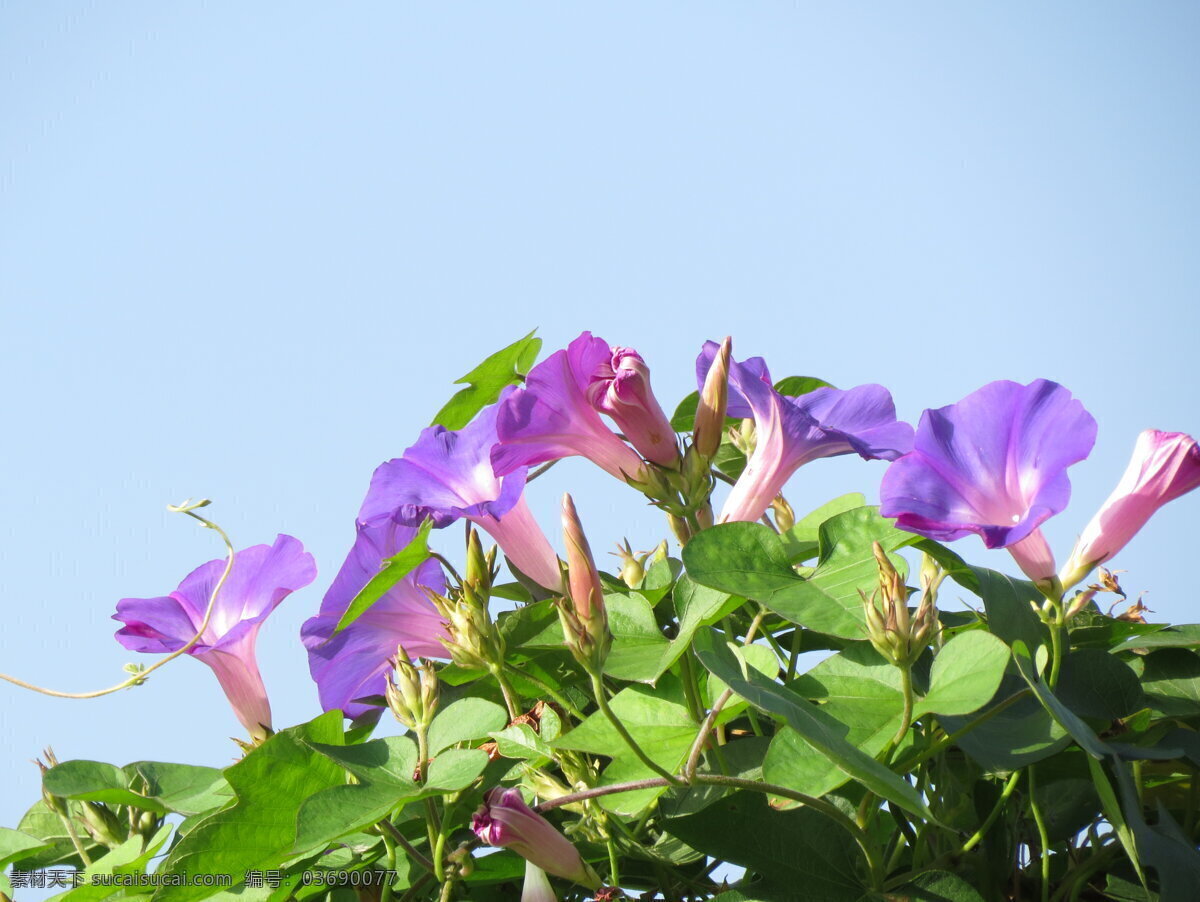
621 389
633 566
714 400
785 517
57 804
506 821
537 886
480 566
898 634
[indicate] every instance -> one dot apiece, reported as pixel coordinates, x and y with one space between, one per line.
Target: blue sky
246 248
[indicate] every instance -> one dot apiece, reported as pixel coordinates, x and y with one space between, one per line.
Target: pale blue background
245 249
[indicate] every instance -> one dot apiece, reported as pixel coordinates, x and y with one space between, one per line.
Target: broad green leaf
520 741
506 367
1021 734
937 886
465 719
1080 731
15 844
966 674
95 781
803 540
1094 683
184 788
795 386
638 644
657 718
791 849
393 569
818 728
684 417
130 857
386 771
861 692
1006 602
1171 681
41 823
829 600
1186 635
745 559
271 783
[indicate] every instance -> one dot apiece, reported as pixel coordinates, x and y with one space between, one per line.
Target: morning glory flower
262 576
354 663
1164 466
448 475
994 464
555 414
621 389
791 432
506 821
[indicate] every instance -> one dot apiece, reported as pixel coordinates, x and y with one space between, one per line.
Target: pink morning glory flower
1164 466
506 821
262 576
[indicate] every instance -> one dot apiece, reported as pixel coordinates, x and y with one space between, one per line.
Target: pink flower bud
583 579
506 821
714 400
621 389
1165 465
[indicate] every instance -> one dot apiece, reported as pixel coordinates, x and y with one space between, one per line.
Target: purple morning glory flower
354 663
262 576
555 414
447 475
791 432
994 464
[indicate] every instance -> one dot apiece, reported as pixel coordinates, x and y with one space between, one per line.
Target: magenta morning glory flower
506 821
555 414
354 663
994 464
262 576
1164 466
790 432
621 389
448 475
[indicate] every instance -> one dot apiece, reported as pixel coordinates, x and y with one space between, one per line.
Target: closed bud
633 566
479 570
714 400
55 803
744 438
1080 601
785 517
103 824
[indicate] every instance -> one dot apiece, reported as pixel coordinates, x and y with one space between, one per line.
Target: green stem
614 873
1043 837
392 831
949 739
602 702
692 694
510 699
390 845
906 689
1056 645
978 835
74 834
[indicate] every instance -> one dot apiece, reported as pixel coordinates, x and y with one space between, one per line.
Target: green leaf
638 644
1019 735
818 728
937 886
745 559
802 541
659 720
130 857
506 367
1171 681
464 720
795 386
15 844
95 781
791 849
684 417
858 689
386 771
1186 635
1094 683
184 788
271 783
1007 604
393 569
1080 731
829 601
966 674
520 741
